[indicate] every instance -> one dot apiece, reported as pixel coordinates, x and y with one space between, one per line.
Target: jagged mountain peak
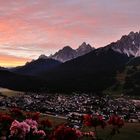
85 46
65 54
128 44
68 53
132 35
67 48
43 56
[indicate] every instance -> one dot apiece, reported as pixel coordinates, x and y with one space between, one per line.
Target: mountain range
84 69
128 44
67 53
92 72
45 63
36 67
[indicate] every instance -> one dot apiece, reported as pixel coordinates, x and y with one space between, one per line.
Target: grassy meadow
10 93
130 131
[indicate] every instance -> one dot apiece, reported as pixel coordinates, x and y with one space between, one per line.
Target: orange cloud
11 61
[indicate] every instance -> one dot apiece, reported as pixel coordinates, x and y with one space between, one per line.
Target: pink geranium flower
19 129
40 133
32 123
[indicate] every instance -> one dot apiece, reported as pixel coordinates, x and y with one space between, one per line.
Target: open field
9 93
130 131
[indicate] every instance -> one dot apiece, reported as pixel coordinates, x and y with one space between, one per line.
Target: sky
29 28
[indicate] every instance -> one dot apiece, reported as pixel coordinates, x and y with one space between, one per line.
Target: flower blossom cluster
19 129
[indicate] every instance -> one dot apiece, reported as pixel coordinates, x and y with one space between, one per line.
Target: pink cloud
45 26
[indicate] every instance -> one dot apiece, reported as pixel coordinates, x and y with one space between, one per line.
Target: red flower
6 118
33 115
97 120
36 116
16 112
63 132
121 122
46 123
116 120
5 121
87 120
100 117
79 133
39 133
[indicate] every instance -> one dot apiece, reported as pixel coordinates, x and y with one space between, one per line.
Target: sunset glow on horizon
29 28
12 61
